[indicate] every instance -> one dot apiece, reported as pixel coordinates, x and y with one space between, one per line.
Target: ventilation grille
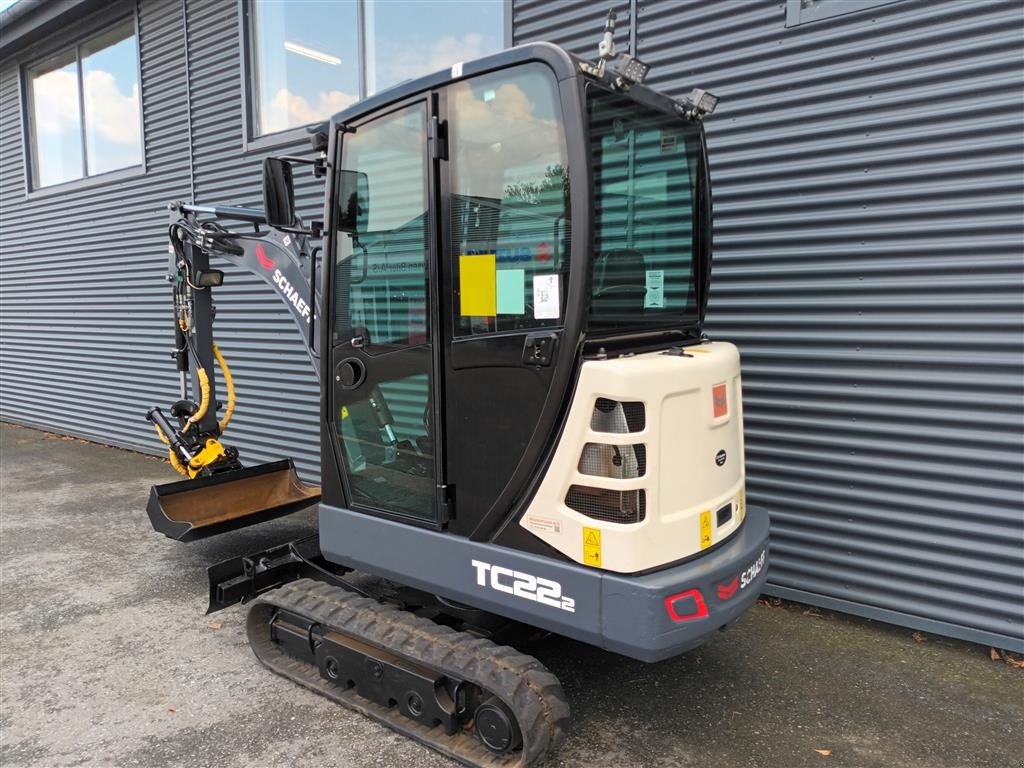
610 506
621 462
617 418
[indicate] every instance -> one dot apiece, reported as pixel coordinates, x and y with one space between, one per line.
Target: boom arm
283 260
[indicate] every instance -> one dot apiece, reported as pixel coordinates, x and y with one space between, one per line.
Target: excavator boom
220 494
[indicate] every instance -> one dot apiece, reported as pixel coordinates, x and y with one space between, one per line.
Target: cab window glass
381 271
645 193
509 202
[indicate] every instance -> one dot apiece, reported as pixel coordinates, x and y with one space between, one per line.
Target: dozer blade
194 509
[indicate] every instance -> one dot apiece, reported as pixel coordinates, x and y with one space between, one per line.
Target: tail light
686 606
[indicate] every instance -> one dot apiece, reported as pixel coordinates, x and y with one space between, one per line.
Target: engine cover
649 469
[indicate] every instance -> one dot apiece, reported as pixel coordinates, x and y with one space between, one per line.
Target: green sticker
511 291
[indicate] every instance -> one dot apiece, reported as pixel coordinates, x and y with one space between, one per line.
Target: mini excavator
522 421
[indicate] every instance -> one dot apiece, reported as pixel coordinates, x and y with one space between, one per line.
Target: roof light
699 104
686 606
311 53
629 68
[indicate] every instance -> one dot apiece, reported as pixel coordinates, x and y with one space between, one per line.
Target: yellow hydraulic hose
161 435
229 384
204 402
176 463
171 455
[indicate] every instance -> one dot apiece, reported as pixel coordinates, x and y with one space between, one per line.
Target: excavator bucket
194 509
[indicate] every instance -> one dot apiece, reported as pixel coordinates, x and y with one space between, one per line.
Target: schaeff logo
745 579
283 284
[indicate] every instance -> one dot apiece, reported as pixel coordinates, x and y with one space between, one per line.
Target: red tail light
686 606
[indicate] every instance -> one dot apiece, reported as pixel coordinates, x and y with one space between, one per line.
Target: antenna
626 70
606 48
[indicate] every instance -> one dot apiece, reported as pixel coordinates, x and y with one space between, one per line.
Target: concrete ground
106 658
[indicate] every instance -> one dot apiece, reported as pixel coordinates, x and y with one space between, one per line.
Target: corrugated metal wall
86 319
868 262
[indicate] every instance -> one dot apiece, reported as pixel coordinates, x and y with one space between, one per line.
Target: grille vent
610 506
615 417
616 461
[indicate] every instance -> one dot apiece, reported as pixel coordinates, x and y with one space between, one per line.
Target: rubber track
532 693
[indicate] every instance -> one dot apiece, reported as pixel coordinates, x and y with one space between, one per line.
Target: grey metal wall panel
84 309
278 401
868 262
83 306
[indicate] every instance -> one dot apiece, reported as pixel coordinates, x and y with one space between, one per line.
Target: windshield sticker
546 297
477 293
511 291
654 298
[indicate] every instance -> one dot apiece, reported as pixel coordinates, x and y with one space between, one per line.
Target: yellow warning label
592 546
478 285
741 504
705 529
344 412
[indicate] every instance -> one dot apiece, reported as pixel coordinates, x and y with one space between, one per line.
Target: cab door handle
539 348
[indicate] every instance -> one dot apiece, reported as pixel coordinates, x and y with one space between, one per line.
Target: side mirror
278 193
353 202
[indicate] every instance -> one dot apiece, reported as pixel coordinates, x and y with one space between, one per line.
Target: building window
310 59
306 61
410 38
84 109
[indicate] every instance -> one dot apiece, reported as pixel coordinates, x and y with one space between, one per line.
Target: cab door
505 263
383 385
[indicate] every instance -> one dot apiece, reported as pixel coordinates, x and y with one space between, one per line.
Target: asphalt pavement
107 658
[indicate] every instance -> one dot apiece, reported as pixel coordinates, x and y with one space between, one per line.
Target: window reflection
110 80
509 213
100 80
306 61
406 39
55 125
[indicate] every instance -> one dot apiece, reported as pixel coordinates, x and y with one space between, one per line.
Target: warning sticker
705 529
741 504
592 546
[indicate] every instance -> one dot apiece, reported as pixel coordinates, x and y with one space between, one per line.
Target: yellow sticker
705 530
478 291
592 546
344 412
741 504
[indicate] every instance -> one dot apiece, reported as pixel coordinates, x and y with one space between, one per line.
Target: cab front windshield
645 165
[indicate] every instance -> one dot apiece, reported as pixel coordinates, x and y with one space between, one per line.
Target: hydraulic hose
160 424
204 402
229 385
176 463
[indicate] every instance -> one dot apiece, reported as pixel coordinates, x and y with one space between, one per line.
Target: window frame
96 26
252 141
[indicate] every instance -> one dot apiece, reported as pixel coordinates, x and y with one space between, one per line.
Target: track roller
470 699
